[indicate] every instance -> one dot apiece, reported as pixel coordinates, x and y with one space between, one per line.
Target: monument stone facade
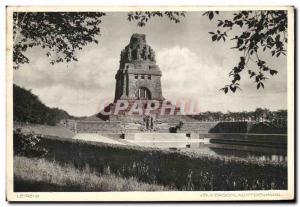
138 77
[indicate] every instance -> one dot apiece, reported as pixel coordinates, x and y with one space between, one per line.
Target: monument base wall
159 125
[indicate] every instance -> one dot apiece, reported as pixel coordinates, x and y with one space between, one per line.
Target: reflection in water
262 147
280 157
277 155
265 154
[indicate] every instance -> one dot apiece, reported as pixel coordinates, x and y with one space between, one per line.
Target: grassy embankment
38 174
156 167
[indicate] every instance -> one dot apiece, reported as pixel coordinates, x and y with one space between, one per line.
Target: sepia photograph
150 103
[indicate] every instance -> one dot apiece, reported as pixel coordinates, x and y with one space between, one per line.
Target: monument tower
138 76
138 83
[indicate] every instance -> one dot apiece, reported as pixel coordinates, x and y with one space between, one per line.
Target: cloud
76 102
78 87
92 72
82 87
192 76
185 74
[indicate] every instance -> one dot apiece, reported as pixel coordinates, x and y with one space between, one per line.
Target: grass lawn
40 175
78 165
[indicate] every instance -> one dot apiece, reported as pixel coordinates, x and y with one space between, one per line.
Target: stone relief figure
122 53
148 123
152 55
122 58
146 53
129 54
151 123
138 53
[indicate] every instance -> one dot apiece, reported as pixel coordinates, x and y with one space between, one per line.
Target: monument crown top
137 39
137 51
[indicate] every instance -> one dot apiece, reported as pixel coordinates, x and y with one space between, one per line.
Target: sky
193 67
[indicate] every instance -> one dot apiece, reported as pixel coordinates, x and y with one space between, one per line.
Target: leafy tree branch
61 33
260 31
143 17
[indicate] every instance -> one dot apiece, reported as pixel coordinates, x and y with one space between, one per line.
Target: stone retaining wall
158 126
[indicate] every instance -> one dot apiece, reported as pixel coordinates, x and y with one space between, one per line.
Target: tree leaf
233 88
225 90
258 86
214 37
240 23
210 15
273 72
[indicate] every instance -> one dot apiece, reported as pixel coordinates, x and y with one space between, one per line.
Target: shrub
27 144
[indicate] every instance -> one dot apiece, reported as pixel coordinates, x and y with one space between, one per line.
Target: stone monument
138 80
138 77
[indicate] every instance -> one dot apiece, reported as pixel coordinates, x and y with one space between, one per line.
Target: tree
260 31
27 107
261 114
